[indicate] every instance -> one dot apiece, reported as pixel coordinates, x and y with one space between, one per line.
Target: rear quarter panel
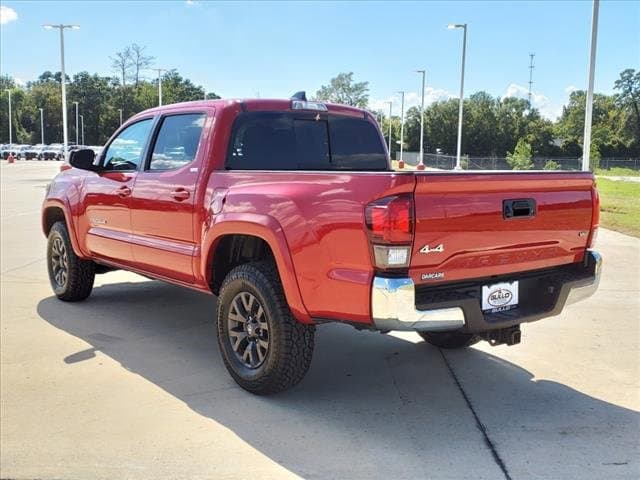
322 217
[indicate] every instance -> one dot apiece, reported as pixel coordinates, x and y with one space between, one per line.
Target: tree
629 99
122 63
342 89
520 159
139 61
551 165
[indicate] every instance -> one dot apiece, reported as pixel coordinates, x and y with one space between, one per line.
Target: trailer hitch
509 336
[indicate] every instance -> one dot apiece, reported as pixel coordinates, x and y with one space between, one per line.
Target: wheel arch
255 233
56 211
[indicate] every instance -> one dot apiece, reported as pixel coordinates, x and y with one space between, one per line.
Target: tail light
390 224
595 217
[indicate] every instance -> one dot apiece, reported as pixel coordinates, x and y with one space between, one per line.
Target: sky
272 49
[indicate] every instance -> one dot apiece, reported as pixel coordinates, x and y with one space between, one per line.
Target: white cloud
191 2
19 81
570 89
7 15
546 107
411 99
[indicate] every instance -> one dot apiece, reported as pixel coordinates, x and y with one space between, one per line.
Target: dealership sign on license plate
500 297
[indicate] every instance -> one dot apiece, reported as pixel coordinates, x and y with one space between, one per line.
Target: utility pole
120 110
159 70
401 126
82 127
10 122
421 158
390 107
77 134
41 126
531 67
63 82
586 146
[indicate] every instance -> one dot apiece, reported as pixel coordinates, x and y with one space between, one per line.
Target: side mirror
83 159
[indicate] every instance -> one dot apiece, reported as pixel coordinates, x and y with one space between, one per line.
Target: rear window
304 141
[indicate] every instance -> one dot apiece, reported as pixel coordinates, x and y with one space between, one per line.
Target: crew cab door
106 196
162 202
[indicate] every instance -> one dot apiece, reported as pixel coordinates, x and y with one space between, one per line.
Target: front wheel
450 340
263 346
71 277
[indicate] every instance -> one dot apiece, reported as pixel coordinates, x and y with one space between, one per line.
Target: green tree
629 99
520 158
551 165
342 89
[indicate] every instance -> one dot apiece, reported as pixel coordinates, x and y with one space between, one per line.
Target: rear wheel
263 347
71 277
450 340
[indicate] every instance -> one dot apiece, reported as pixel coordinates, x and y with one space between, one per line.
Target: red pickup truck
290 213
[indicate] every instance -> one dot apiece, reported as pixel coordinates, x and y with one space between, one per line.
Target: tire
273 350
71 277
450 340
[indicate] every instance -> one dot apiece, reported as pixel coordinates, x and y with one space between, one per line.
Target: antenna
531 67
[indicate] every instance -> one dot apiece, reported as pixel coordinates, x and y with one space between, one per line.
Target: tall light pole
82 127
63 80
77 139
10 126
42 126
390 110
463 26
401 127
159 70
120 110
421 158
586 146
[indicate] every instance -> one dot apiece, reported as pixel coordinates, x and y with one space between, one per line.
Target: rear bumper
397 304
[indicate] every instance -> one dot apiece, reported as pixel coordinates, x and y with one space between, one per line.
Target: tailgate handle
519 208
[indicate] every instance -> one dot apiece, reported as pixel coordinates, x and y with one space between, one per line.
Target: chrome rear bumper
393 308
393 304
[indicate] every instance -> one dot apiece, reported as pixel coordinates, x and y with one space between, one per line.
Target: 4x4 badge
438 248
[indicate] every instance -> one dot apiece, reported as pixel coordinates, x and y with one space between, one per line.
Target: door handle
123 191
180 194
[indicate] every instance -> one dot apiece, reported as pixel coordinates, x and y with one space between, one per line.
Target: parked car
10 149
290 213
32 153
52 152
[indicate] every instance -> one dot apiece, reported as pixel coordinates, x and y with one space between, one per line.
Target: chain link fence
447 162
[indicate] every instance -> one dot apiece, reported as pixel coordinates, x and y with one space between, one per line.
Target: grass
618 172
620 206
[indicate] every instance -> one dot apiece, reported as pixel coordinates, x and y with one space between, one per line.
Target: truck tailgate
476 225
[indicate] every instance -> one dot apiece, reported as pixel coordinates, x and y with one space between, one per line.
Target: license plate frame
500 297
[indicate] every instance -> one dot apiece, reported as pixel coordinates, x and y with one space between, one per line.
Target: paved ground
130 385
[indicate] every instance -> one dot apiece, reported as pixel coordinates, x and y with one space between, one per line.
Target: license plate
499 297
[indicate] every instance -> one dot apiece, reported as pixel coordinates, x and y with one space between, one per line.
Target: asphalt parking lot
129 384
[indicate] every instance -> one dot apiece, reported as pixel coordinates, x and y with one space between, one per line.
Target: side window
177 142
126 150
263 141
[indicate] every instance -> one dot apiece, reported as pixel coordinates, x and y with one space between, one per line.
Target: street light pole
390 109
463 26
42 126
77 139
401 127
421 158
82 127
10 126
120 110
159 70
586 145
63 82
